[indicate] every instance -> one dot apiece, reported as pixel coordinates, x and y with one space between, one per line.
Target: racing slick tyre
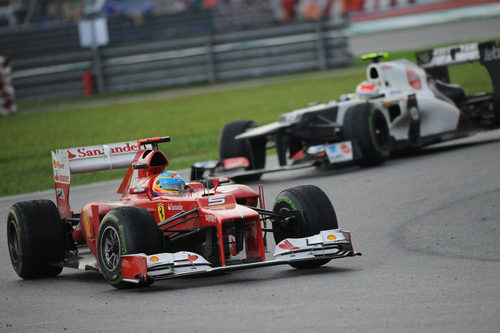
365 125
318 213
254 150
36 240
126 230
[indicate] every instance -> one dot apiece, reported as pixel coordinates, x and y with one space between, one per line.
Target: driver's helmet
366 90
168 182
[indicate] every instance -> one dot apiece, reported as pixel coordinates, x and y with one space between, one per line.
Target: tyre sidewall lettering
122 239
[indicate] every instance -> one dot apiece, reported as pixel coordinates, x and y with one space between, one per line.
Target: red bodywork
221 208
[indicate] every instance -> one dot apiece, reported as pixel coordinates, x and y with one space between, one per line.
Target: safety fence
56 37
7 96
167 62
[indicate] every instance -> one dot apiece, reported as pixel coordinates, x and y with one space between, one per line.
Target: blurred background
67 48
227 14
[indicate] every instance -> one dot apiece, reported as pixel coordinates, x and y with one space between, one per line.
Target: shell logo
331 237
154 259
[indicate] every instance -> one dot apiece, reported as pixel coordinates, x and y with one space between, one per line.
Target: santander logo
93 151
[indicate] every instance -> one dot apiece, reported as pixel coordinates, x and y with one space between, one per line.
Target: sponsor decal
191 258
175 207
491 54
161 212
367 87
86 226
286 245
138 190
345 149
60 194
339 152
414 113
214 201
58 165
331 237
61 178
227 189
223 207
93 151
235 162
154 259
210 218
232 245
413 79
386 67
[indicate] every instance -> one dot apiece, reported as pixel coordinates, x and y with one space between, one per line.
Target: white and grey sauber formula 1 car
400 106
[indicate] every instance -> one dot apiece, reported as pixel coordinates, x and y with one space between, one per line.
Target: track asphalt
427 225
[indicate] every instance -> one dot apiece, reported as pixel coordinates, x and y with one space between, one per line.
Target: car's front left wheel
318 213
126 230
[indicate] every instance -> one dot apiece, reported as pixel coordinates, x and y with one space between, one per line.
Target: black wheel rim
381 131
289 229
110 249
13 241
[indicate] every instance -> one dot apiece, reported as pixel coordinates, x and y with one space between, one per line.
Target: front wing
338 153
328 244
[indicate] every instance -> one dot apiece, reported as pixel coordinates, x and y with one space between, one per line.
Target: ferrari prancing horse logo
161 212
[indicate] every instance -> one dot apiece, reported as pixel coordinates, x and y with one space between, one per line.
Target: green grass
193 122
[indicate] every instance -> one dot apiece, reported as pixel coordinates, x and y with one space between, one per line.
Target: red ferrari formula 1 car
150 235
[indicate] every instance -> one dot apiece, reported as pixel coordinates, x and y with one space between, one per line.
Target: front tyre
126 230
318 213
35 237
367 126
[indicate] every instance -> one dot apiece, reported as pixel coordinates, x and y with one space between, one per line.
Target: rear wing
68 161
436 63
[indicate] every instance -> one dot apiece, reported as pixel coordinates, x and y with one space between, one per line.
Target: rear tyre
254 150
318 212
126 230
35 236
365 125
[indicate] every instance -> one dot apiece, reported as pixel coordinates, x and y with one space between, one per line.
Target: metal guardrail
167 62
